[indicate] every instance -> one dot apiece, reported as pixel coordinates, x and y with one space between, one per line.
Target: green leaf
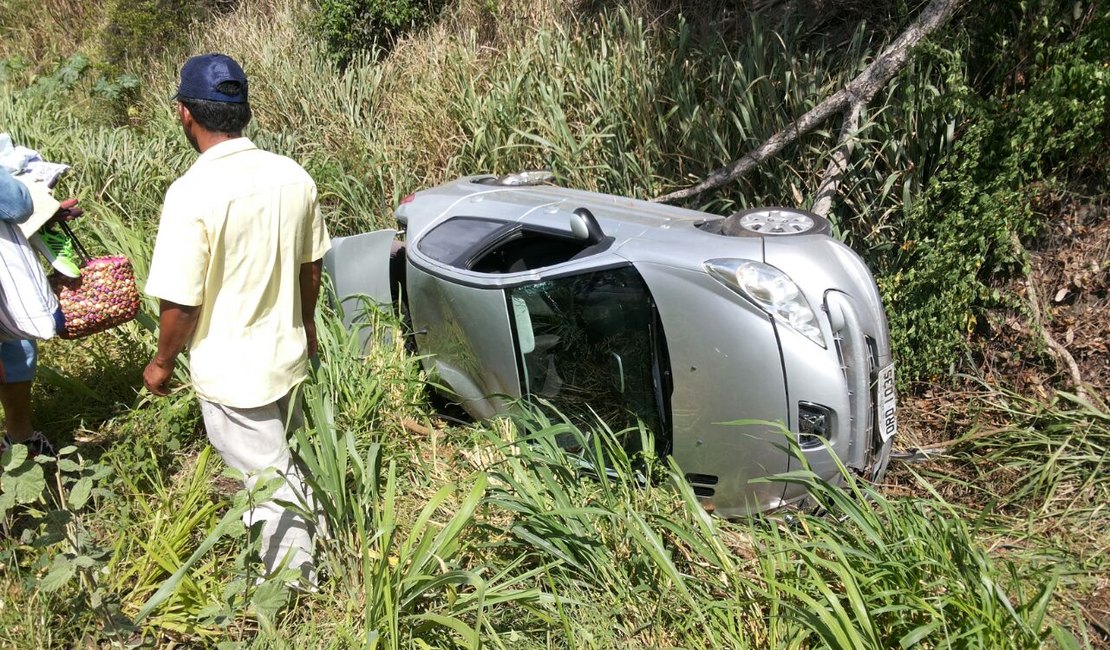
60 573
64 382
469 635
67 465
84 561
7 502
48 538
269 597
915 636
1064 639
14 457
25 483
80 493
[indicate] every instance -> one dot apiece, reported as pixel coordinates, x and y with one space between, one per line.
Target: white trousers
254 442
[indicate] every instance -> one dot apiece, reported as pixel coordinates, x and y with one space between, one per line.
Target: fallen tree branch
415 427
858 91
838 165
1055 347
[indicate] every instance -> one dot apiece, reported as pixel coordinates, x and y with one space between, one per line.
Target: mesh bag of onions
105 296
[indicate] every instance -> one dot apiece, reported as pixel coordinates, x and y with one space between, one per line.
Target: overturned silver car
703 328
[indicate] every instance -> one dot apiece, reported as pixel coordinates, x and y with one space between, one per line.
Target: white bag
27 305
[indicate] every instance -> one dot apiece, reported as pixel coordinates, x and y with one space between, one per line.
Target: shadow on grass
82 385
88 393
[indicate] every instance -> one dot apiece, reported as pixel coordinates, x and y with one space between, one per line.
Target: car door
359 269
464 337
591 347
461 329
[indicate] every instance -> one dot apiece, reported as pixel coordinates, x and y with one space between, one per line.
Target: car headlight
772 291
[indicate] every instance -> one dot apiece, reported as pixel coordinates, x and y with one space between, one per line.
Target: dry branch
849 99
415 427
838 165
1058 350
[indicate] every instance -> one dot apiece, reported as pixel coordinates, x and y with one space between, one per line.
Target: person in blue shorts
17 372
18 358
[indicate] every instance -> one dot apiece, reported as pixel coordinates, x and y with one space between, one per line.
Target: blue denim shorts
17 361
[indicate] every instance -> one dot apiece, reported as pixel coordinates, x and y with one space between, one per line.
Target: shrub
349 27
139 30
1042 132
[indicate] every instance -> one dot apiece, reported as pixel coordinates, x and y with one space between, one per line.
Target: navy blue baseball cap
201 75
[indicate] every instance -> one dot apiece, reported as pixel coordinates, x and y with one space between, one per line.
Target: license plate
886 412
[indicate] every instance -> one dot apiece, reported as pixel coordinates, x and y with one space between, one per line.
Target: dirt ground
1070 273
1070 281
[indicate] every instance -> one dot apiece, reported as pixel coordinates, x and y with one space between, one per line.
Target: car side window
456 240
590 343
496 246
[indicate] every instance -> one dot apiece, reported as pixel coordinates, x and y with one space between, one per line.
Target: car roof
543 205
642 232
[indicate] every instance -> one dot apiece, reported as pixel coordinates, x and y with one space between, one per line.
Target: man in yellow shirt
236 266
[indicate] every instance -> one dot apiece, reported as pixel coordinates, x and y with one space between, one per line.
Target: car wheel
775 222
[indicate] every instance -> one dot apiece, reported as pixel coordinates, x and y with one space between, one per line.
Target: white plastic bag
27 305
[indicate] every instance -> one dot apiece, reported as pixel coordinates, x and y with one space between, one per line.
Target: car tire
774 222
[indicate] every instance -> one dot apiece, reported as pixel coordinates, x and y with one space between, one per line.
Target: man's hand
67 211
156 376
175 326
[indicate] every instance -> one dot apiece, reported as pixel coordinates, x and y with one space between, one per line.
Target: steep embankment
455 537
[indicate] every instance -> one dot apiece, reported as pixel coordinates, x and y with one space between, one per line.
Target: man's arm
175 327
310 291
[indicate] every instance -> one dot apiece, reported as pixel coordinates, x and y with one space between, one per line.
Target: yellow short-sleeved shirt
234 232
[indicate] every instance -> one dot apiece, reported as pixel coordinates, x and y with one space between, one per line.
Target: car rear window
452 241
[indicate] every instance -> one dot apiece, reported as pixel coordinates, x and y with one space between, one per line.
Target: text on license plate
886 412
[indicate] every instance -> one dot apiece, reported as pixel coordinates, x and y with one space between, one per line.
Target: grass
490 535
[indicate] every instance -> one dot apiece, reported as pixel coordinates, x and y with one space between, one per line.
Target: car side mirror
584 225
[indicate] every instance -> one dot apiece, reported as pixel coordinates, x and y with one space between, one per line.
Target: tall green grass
647 563
526 546
616 104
